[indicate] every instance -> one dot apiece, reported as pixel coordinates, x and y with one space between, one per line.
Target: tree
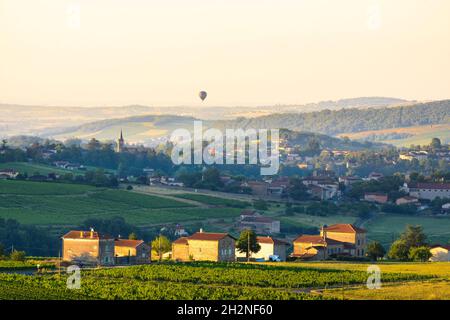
420 254
375 250
248 243
17 255
2 250
399 250
414 236
161 245
297 190
435 144
132 236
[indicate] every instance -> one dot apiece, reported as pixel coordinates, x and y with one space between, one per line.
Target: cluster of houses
347 240
416 192
90 247
8 173
421 155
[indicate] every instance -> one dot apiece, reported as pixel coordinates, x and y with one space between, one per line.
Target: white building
427 191
440 253
269 247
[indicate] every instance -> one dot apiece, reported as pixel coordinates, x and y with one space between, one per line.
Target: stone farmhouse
131 252
88 247
337 239
92 248
204 246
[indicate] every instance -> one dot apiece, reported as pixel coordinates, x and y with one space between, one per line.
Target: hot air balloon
203 95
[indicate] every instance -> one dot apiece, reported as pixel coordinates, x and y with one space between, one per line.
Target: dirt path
144 190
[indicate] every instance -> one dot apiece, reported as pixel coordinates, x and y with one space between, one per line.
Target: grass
210 200
424 289
304 220
16 187
386 227
32 168
430 290
24 265
41 203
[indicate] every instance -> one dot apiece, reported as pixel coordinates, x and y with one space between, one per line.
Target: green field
214 201
70 204
34 168
386 227
213 281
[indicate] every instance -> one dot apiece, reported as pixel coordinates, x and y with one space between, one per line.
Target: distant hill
138 129
143 129
31 120
350 120
326 142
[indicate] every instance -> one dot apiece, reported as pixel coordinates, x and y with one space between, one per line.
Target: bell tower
120 142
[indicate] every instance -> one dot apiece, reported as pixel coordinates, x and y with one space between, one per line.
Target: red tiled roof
344 228
258 219
421 185
310 239
74 234
182 240
270 240
127 243
208 236
375 194
447 247
248 212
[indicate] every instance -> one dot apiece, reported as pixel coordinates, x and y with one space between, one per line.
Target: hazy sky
243 52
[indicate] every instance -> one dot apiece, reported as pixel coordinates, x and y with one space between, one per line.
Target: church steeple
120 142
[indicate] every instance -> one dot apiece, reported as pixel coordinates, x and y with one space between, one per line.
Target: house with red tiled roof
337 240
88 248
204 246
94 248
377 197
427 191
131 251
269 247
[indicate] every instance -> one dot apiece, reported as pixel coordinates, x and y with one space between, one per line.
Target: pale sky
243 52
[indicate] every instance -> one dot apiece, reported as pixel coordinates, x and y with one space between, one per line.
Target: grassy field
279 281
69 204
386 227
32 168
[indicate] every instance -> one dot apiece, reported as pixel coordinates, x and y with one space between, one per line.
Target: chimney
323 233
92 233
201 230
81 234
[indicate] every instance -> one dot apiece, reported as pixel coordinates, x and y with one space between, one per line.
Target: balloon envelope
203 95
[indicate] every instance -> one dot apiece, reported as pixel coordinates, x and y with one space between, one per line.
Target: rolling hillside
351 120
142 129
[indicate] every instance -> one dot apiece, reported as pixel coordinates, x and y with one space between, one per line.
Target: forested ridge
350 120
